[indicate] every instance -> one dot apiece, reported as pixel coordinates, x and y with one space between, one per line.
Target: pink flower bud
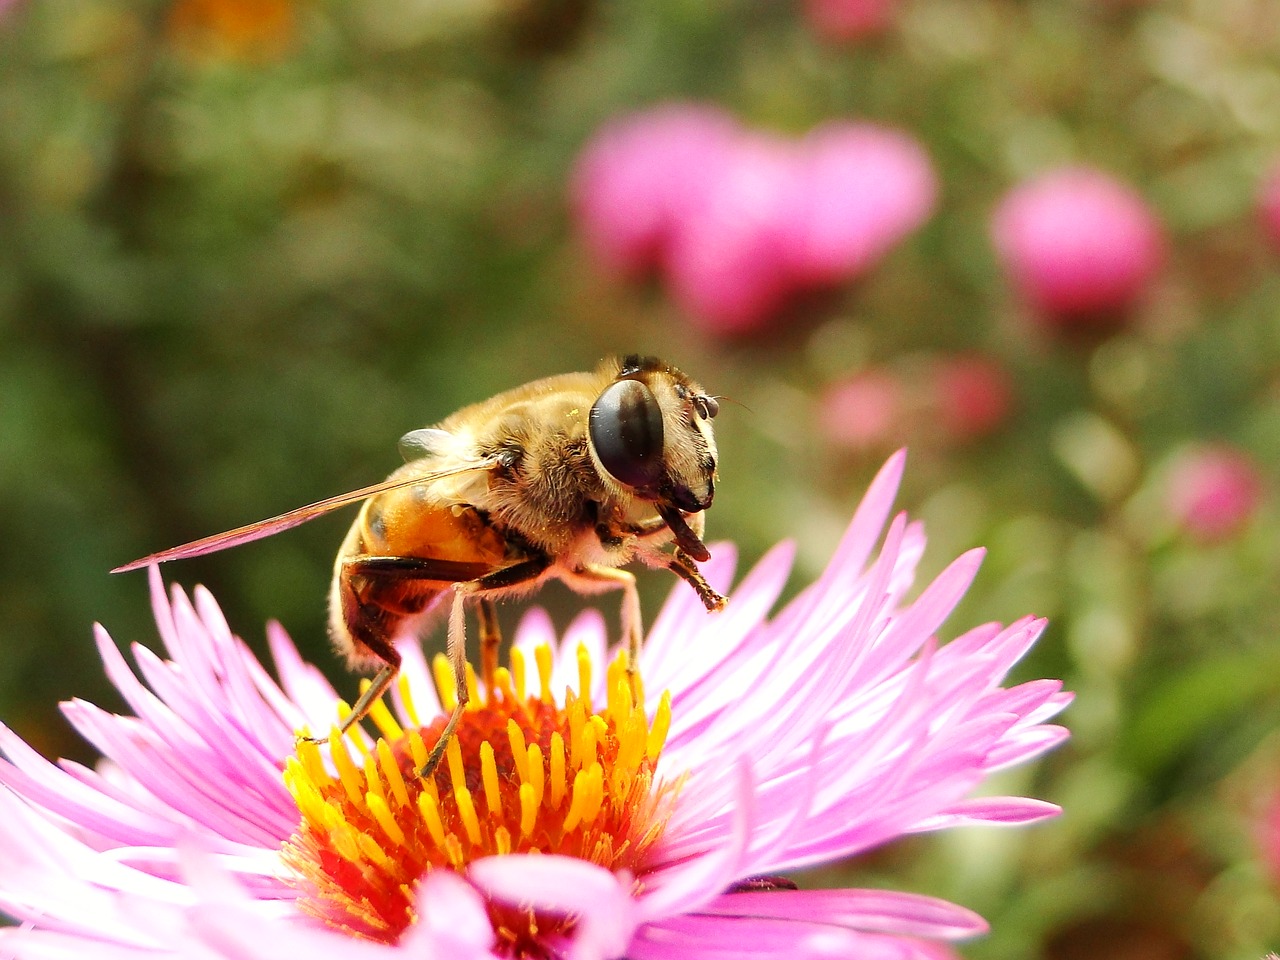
639 175
1213 491
974 396
862 188
1081 246
845 20
863 412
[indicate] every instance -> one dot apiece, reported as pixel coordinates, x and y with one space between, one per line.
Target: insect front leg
682 565
593 577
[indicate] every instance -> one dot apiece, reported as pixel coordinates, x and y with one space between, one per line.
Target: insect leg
490 640
681 564
367 623
596 576
511 576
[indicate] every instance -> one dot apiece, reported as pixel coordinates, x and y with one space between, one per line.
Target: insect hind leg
365 622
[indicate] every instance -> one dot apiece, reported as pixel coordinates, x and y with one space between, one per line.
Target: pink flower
862 189
845 20
1269 205
728 259
866 411
974 395
639 175
740 222
1213 491
763 745
1080 245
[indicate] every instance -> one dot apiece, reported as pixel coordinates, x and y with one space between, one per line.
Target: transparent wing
265 528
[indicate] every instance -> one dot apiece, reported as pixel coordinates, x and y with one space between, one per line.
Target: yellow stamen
584 676
473 690
391 773
594 798
584 753
430 810
632 736
417 749
347 771
406 698
502 841
453 850
344 712
467 814
313 763
346 842
382 813
518 673
373 778
558 772
518 752
310 803
542 653
537 773
489 776
528 809
446 685
502 681
661 724
371 850
384 721
619 689
577 720
457 773
577 802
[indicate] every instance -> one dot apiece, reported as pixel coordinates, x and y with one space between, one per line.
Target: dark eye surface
626 432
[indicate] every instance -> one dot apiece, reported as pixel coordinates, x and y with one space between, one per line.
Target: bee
570 477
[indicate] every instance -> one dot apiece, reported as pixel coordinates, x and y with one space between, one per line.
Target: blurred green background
246 244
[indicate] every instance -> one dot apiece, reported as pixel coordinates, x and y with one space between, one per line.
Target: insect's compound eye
626 432
707 407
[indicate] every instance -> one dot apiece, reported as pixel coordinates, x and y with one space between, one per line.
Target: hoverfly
569 477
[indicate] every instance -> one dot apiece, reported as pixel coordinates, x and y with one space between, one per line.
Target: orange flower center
523 775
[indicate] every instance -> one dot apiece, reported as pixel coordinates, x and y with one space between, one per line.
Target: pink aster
740 221
764 745
1080 245
1213 491
863 189
636 179
849 20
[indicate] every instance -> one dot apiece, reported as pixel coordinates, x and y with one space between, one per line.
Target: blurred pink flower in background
639 175
845 20
1213 491
866 411
973 394
862 188
727 263
1081 246
1269 204
740 221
